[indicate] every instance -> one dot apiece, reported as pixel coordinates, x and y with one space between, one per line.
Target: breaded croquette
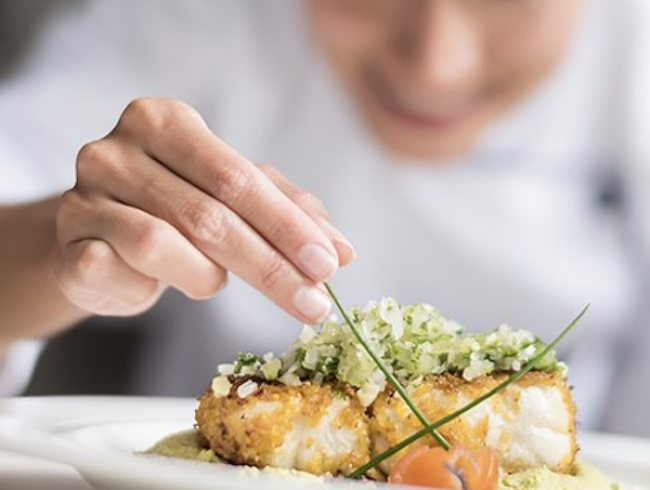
317 428
529 424
312 427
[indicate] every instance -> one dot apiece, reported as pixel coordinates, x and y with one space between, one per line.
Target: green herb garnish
246 359
389 375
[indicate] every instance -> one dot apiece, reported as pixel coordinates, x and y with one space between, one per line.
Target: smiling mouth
446 115
433 119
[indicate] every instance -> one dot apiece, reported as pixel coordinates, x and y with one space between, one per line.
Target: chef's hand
161 201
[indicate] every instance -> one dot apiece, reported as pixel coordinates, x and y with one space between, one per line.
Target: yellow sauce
186 445
583 477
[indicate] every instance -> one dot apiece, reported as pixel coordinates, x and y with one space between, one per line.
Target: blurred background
81 360
102 355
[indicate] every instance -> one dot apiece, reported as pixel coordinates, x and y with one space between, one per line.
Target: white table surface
27 473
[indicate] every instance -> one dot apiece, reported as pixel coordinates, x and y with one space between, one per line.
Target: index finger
176 136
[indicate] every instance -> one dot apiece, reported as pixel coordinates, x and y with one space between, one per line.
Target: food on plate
455 468
315 427
530 423
189 445
324 407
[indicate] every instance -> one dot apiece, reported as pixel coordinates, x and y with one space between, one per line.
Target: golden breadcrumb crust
263 428
252 430
391 420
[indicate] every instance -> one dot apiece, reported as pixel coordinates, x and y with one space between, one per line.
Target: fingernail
312 303
343 246
317 262
347 253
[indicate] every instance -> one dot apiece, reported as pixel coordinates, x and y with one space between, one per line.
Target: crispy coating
317 428
529 424
323 429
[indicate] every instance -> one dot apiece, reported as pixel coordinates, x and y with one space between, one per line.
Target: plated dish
392 392
100 436
347 397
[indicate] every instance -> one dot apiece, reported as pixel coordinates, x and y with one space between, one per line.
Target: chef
487 157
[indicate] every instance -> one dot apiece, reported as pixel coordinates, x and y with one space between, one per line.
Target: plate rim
595 446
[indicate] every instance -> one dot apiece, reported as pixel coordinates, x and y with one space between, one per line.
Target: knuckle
89 154
144 116
230 183
204 221
280 231
153 113
93 261
148 245
142 111
275 272
97 155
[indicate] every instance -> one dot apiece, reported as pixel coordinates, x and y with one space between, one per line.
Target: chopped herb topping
413 341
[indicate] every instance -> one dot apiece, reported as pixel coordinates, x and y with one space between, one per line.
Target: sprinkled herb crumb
412 340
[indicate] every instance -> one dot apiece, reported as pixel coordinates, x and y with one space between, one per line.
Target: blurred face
429 76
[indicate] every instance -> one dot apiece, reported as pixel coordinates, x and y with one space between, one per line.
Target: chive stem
359 472
389 375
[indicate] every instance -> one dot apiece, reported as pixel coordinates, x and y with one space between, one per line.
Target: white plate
99 436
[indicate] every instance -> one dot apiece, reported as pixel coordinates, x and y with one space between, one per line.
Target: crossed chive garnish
431 428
